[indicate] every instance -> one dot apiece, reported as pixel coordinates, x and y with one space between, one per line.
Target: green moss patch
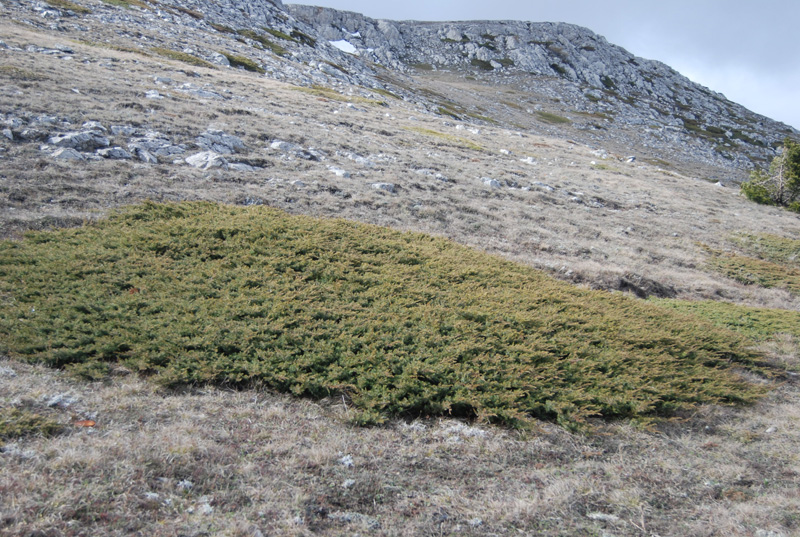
552 118
457 140
71 6
182 57
245 63
263 41
402 324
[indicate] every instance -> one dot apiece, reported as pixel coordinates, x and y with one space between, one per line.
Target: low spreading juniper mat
402 324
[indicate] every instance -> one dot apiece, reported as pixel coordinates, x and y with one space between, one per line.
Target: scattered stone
286 147
114 153
33 135
13 450
61 400
528 160
155 145
348 483
298 183
207 160
219 59
603 517
67 153
388 187
347 461
82 141
7 372
146 157
493 183
8 134
241 167
94 126
220 142
153 94
339 172
475 522
185 485
123 130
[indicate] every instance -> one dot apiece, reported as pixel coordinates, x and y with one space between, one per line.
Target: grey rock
153 94
207 160
286 147
82 141
155 144
32 135
241 167
339 172
220 142
114 153
492 183
219 59
122 130
7 372
388 187
67 153
146 156
61 400
8 134
94 126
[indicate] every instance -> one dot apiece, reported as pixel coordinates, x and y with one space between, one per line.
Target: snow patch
344 46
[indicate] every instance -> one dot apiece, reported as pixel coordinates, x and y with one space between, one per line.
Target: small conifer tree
781 184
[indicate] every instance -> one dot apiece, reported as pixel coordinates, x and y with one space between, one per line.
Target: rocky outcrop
631 101
600 78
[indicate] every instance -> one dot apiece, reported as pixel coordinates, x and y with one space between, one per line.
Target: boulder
114 153
220 142
67 153
207 160
388 187
81 141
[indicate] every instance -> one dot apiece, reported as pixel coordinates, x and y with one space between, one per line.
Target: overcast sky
746 49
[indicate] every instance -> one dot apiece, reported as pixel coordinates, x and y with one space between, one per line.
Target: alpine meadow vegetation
399 324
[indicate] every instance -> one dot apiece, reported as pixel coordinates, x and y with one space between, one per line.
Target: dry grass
275 464
272 463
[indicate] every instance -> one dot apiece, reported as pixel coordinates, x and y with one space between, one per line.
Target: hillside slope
104 104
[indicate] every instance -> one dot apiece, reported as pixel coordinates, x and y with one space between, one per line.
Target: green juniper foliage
17 423
403 324
770 261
